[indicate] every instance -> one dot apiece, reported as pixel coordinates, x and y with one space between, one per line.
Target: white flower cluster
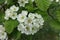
29 23
23 2
3 34
11 13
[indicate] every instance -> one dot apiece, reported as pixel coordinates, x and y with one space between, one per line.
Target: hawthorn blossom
22 3
3 34
22 16
11 13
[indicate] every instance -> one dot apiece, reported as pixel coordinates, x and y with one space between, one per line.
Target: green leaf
2 1
10 25
57 12
54 12
16 35
43 4
29 7
54 24
10 2
1 17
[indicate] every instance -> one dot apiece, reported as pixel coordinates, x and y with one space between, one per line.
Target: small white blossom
21 28
2 28
28 21
24 12
22 2
7 14
31 15
13 16
3 34
22 17
14 8
11 13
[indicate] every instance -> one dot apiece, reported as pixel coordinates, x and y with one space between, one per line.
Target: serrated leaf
43 4
10 25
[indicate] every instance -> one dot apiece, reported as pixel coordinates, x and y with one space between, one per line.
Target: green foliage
29 7
15 35
10 2
43 4
2 1
1 17
54 24
10 25
54 13
57 12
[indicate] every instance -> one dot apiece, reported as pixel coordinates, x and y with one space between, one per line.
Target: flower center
27 28
22 17
29 20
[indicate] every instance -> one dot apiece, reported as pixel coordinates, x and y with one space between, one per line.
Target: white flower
38 15
22 2
21 28
3 34
28 21
2 28
28 29
24 12
34 29
22 17
8 13
14 8
31 15
13 16
11 13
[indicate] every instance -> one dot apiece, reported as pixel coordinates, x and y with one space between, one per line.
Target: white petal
14 8
2 28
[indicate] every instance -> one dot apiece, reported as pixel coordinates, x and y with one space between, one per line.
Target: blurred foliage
2 1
